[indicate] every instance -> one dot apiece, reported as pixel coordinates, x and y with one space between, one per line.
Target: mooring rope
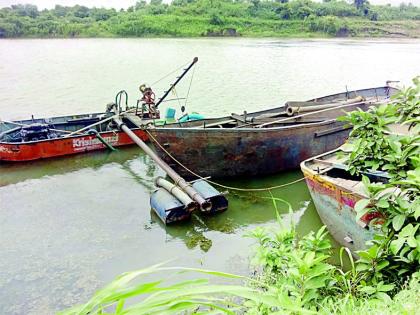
218 184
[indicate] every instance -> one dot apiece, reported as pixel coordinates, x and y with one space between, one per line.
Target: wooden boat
335 192
263 142
40 138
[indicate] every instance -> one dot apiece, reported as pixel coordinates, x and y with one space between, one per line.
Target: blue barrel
167 207
218 200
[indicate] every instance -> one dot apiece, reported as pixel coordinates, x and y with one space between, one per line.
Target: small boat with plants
40 138
372 180
263 142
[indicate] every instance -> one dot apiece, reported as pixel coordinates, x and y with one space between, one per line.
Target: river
70 225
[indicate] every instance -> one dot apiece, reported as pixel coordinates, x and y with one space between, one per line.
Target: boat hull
335 207
211 148
246 151
28 151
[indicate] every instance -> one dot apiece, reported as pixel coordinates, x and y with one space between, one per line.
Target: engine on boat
36 132
33 132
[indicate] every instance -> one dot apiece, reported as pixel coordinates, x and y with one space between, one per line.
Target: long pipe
178 180
98 123
100 138
311 113
176 82
291 110
190 204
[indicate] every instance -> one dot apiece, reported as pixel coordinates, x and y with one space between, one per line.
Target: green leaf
408 230
398 221
396 245
417 213
411 241
368 290
382 203
382 265
385 287
361 205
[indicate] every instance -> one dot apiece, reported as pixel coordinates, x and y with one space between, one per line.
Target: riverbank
194 27
201 18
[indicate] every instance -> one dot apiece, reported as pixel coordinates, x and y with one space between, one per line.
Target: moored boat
263 142
334 193
33 139
40 138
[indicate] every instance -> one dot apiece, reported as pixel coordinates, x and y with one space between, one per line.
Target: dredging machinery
171 201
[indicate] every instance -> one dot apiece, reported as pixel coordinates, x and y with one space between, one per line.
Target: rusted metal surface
335 205
247 151
240 150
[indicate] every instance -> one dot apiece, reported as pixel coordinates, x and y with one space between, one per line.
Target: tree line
198 17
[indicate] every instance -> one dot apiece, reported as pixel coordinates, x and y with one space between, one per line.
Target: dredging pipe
190 204
178 180
291 110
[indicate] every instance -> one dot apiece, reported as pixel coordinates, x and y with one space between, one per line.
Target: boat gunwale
58 117
354 91
247 129
309 173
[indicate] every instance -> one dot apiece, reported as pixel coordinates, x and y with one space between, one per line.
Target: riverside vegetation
193 18
294 275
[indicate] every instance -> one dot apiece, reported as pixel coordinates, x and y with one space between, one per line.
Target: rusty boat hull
246 152
232 146
334 198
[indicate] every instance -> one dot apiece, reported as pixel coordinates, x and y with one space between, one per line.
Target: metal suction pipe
291 110
178 180
190 204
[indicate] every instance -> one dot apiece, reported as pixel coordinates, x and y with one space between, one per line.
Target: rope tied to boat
216 183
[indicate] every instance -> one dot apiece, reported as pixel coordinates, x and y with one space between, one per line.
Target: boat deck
327 165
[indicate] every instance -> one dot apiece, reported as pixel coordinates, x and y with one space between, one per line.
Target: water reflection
12 173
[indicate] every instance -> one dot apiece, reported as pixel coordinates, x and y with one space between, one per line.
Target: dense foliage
213 18
377 143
